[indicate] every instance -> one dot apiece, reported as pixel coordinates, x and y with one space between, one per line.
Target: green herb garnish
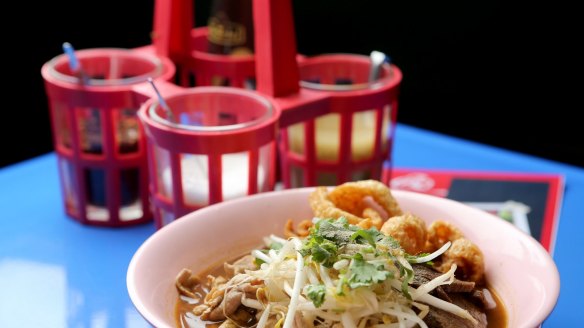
332 240
316 294
364 274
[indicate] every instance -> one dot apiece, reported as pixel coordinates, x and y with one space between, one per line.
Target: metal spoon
377 60
74 64
169 114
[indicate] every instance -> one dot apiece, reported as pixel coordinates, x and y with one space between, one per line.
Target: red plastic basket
353 139
221 146
97 135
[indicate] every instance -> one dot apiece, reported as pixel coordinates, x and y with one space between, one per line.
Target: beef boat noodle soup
360 262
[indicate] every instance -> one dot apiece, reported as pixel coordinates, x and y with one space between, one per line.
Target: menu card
531 201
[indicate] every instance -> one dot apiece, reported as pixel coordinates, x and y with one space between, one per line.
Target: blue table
55 272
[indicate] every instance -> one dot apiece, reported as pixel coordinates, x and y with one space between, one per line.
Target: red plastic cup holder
353 138
97 136
221 145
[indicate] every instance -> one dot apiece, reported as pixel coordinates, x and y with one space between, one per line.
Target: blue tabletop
55 272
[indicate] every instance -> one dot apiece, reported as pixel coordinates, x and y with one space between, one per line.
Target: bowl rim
534 321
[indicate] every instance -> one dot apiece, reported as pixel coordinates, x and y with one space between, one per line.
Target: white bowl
516 265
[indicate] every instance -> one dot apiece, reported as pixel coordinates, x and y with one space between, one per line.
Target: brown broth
496 317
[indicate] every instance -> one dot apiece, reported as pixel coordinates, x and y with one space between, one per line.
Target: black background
503 73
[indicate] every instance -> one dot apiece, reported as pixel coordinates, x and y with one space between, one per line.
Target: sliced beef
424 273
459 286
462 293
186 283
437 318
229 304
483 297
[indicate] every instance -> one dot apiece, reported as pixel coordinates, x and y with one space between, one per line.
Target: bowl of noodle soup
517 268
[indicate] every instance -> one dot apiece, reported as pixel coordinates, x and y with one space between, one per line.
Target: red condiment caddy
331 125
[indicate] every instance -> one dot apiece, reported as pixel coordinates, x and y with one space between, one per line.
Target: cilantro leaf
365 274
322 251
408 276
316 294
387 243
325 253
370 236
338 231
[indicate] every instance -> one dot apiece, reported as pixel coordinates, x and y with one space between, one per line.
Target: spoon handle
377 60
